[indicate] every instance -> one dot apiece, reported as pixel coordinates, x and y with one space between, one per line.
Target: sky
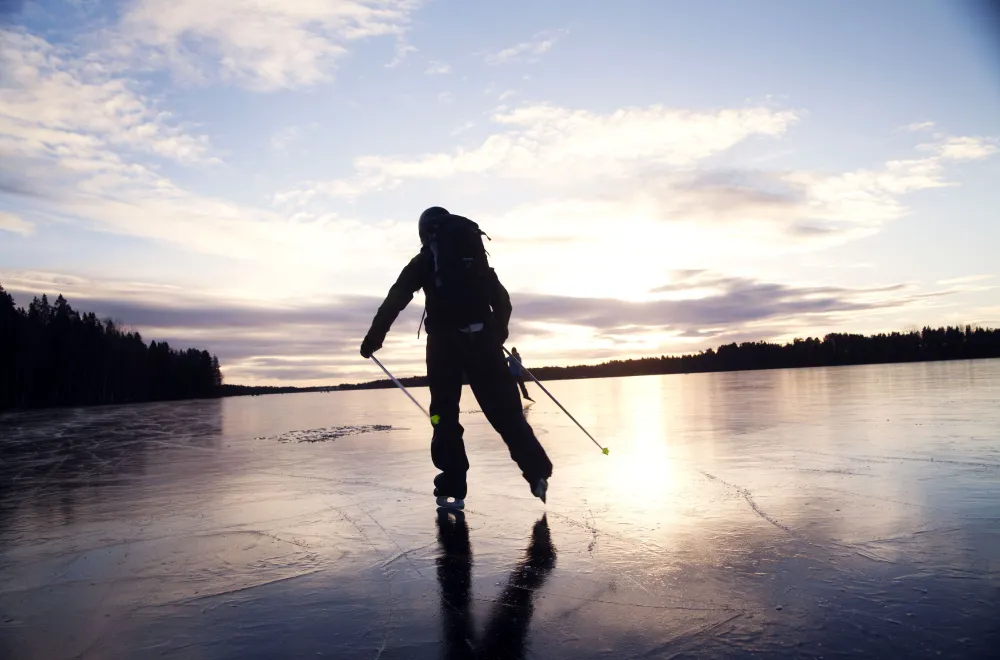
245 176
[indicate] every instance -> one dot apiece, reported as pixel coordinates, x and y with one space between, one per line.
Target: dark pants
479 356
520 383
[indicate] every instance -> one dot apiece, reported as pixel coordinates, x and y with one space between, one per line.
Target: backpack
462 282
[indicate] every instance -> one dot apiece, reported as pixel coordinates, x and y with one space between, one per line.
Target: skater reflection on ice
507 630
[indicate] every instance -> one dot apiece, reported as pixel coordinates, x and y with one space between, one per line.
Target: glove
369 346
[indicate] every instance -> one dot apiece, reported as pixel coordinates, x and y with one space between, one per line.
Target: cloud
707 217
817 207
463 127
284 137
546 145
963 148
262 45
15 183
437 68
347 189
250 337
316 342
968 279
600 180
16 224
527 51
616 238
552 144
403 51
130 199
55 106
568 330
79 139
549 143
723 302
919 126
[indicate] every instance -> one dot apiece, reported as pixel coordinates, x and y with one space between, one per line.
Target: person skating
468 312
514 361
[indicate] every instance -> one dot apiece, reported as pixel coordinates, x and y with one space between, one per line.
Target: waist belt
473 327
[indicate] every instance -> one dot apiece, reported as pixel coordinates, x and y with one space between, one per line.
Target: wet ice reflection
506 630
828 512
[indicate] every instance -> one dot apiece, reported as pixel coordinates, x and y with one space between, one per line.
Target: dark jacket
419 274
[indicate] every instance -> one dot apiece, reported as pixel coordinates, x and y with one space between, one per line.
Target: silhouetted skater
468 311
516 370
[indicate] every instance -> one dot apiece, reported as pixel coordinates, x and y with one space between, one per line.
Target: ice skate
540 488
445 502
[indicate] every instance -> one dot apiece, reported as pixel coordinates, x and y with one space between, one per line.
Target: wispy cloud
963 148
15 224
642 172
919 126
285 137
527 51
968 279
437 68
463 127
544 144
549 142
260 45
689 215
403 51
346 189
719 301
82 138
53 105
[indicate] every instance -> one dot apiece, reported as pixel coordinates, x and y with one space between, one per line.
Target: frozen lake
842 512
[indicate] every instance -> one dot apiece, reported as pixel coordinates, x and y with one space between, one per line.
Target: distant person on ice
468 312
516 368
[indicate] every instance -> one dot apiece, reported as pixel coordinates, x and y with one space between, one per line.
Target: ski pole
400 385
604 450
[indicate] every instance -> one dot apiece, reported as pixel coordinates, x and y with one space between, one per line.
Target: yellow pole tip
605 450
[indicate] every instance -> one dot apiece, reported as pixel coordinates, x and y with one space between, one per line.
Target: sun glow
640 450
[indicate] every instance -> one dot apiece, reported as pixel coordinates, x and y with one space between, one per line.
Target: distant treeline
259 390
51 355
833 350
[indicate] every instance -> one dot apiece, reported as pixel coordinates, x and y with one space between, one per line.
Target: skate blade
455 503
541 490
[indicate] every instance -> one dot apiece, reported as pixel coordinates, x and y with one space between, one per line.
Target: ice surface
846 512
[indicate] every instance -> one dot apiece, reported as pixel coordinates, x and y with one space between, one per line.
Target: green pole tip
605 450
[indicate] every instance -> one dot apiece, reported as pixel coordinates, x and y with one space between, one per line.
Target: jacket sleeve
400 295
500 302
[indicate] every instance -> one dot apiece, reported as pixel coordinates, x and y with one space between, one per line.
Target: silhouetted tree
51 355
